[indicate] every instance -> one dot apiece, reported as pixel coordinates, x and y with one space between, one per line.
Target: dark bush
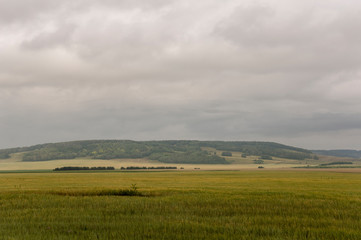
227 154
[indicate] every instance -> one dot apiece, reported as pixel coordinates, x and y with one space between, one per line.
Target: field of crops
254 204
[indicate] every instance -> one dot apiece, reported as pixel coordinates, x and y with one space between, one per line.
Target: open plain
257 204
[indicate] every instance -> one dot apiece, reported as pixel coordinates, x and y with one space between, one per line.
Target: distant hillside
163 151
339 153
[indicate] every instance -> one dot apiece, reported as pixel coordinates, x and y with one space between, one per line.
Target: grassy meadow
258 204
237 162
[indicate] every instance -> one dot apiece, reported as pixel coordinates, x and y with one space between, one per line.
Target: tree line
69 168
73 168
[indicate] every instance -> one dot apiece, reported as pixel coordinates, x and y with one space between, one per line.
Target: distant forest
339 153
177 151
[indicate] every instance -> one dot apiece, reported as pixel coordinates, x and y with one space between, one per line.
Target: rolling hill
170 151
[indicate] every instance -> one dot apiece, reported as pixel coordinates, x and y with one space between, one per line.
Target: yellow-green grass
182 205
237 163
49 165
16 164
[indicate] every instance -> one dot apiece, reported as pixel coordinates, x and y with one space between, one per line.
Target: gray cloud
285 71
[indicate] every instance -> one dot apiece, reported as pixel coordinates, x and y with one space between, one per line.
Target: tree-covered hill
172 151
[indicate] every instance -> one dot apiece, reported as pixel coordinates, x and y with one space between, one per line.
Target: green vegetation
181 205
339 153
332 165
261 149
70 168
323 166
227 154
132 191
149 168
258 161
5 153
198 157
335 163
163 151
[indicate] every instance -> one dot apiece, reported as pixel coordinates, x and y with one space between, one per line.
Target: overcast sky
287 71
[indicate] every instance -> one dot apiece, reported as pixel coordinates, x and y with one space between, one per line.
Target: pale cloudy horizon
239 70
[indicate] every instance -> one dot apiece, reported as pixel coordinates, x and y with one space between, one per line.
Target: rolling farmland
181 205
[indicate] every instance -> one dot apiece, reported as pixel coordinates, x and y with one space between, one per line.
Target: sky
286 71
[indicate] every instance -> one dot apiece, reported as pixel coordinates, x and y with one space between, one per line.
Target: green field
256 204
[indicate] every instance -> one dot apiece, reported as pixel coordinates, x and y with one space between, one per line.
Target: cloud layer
286 71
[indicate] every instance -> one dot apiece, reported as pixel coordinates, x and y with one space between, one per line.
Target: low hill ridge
168 151
339 153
